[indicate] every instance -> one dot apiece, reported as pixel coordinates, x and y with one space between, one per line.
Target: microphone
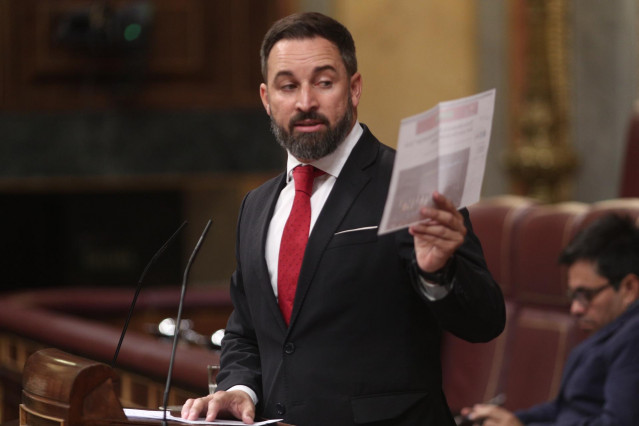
176 333
139 287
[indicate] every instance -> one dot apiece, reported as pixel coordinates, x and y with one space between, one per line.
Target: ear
356 88
264 97
630 288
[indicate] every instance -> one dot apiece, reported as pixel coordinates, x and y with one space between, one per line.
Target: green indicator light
132 32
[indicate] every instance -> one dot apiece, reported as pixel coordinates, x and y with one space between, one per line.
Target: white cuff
247 390
434 292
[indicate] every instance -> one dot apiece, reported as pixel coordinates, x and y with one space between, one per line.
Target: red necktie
294 238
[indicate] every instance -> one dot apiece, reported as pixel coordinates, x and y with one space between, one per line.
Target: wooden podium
60 389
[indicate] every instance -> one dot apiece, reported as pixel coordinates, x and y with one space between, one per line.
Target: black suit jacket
363 345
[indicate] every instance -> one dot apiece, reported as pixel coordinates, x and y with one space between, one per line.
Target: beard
314 145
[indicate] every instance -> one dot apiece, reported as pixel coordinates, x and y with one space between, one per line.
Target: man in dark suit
359 341
600 384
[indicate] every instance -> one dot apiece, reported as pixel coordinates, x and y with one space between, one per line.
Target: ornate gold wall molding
540 160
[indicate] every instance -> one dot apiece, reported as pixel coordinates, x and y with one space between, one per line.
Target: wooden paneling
200 54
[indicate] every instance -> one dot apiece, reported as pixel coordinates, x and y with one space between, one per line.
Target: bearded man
334 324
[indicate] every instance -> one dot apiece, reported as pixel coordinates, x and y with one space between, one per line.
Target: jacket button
280 409
289 348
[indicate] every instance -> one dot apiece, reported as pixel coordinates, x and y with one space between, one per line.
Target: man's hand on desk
237 404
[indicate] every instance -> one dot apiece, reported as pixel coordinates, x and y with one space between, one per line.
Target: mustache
308 115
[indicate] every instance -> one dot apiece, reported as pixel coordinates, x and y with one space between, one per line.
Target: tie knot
303 177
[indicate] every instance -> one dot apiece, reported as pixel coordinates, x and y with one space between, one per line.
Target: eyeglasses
584 296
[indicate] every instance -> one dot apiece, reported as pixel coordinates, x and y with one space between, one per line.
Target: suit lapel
352 179
261 227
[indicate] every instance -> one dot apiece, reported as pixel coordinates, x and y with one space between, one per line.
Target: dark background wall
118 121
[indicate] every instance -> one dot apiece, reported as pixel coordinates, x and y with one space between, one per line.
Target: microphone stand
176 332
139 287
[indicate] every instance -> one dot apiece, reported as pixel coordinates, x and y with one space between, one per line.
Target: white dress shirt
332 165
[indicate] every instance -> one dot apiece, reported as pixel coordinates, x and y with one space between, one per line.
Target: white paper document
132 413
443 149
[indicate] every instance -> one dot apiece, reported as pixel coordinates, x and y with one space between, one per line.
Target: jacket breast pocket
354 236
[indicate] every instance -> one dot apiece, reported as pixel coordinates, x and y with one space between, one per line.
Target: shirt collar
333 163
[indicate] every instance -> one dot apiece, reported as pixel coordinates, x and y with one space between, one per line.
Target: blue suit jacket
600 384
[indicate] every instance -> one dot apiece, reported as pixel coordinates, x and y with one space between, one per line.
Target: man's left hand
438 235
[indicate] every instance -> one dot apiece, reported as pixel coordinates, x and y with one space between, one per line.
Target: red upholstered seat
624 206
472 372
539 343
493 221
537 242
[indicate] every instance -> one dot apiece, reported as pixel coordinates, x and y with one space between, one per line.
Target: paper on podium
132 413
443 149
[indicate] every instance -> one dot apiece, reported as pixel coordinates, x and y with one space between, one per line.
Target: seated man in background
600 383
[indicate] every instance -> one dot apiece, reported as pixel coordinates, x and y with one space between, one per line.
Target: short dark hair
306 25
611 243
